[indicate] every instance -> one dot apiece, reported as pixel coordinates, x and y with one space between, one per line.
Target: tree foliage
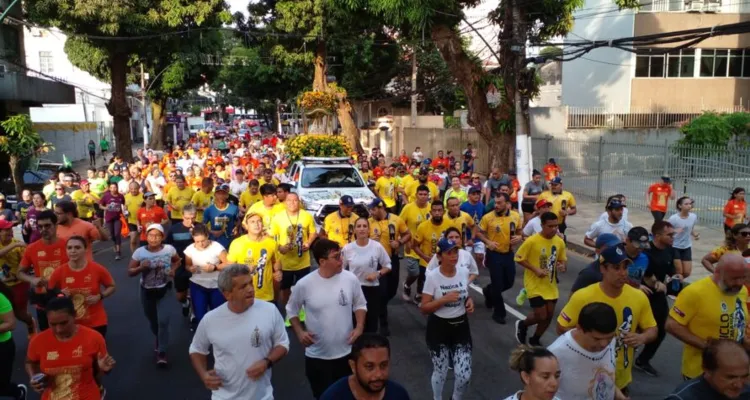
717 130
19 141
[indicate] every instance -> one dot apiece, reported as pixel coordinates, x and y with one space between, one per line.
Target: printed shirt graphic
296 230
738 209
708 313
157 275
463 222
559 201
222 220
81 284
542 253
385 188
178 199
202 200
85 203
428 234
498 228
9 265
633 314
438 285
260 257
659 196
45 258
412 215
146 217
340 229
392 227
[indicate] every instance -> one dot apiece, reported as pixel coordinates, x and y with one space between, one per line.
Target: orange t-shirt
551 171
45 258
516 187
659 197
81 284
194 182
69 365
737 208
80 227
147 217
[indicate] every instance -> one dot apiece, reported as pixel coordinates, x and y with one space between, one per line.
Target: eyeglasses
745 234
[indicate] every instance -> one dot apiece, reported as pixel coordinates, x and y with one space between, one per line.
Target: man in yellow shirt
268 178
258 251
250 196
711 308
631 305
411 191
460 220
294 231
339 226
542 256
268 206
426 238
85 201
414 214
203 198
499 230
178 197
563 202
385 188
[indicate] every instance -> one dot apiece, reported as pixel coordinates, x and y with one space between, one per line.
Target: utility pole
414 87
143 108
523 148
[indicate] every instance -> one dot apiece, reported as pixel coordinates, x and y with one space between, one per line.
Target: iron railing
601 117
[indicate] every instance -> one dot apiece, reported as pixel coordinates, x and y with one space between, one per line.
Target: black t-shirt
588 276
180 238
699 389
340 391
660 262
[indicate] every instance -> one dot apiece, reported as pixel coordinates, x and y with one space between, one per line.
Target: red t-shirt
736 208
551 171
445 162
147 217
69 365
45 258
81 284
80 227
659 196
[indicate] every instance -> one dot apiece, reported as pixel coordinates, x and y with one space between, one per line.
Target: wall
604 82
689 93
651 23
70 139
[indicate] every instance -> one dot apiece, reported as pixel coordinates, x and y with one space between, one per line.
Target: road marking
508 308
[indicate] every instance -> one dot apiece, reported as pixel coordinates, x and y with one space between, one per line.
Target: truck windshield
321 177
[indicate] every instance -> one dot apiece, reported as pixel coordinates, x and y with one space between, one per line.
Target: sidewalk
589 212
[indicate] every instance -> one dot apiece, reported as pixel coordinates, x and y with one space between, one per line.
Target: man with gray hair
248 337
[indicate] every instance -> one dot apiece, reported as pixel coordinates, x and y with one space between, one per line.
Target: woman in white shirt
684 228
368 261
540 373
204 259
417 155
446 301
465 258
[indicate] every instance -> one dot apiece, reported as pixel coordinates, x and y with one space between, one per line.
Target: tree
118 30
20 142
551 52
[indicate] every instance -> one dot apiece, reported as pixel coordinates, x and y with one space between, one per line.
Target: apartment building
715 74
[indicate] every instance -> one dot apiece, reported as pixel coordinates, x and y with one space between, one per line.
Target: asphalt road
136 377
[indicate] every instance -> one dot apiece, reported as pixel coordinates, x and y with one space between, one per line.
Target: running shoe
646 368
161 359
118 257
406 295
186 308
23 391
521 332
522 297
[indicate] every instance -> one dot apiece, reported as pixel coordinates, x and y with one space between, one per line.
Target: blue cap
613 255
446 244
607 240
556 180
347 200
376 202
615 204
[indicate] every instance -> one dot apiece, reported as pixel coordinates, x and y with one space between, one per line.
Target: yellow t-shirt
708 313
499 229
633 313
133 204
265 213
385 188
84 203
247 199
411 191
260 257
381 230
464 223
542 253
202 200
9 265
338 229
406 182
273 181
427 237
296 230
178 199
367 176
412 215
565 199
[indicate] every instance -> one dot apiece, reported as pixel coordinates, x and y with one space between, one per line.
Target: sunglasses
745 234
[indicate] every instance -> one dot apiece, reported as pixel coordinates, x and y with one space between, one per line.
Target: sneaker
23 391
498 319
193 324
186 308
534 341
522 297
406 295
301 315
156 346
646 368
521 332
161 359
417 300
118 257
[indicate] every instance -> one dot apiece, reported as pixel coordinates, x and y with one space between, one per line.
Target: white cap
158 227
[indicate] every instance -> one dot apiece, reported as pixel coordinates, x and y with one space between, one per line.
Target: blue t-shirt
340 391
637 269
221 220
476 212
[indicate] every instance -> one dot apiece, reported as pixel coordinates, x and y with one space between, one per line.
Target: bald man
726 368
711 308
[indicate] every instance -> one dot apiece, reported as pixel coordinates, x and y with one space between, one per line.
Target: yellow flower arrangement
317 146
316 100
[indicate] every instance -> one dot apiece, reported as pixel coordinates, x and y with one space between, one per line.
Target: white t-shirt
124 186
237 188
184 164
328 304
157 184
201 258
585 375
465 260
438 285
605 216
682 230
363 261
534 226
238 341
157 275
518 394
417 155
620 229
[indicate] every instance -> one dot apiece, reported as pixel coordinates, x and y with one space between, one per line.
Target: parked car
33 180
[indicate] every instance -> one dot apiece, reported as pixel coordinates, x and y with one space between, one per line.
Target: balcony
697 6
20 87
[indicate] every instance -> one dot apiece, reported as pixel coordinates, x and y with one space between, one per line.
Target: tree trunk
118 105
469 75
348 127
319 79
158 125
17 174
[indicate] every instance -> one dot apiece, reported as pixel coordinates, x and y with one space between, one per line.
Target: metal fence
601 117
597 169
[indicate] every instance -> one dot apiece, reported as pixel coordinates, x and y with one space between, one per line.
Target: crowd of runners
218 227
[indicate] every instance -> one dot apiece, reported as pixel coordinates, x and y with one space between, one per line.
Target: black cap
639 237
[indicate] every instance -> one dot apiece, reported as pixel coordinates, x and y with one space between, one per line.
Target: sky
238 5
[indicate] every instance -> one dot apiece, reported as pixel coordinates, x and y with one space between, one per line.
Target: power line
53 78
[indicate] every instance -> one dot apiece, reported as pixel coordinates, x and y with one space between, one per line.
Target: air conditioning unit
713 6
694 6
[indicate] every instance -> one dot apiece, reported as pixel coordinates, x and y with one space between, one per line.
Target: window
680 63
322 177
45 62
675 64
10 44
649 66
721 63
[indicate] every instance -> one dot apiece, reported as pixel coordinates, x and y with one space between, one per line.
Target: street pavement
136 377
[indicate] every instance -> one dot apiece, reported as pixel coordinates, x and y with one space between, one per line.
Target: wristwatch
269 363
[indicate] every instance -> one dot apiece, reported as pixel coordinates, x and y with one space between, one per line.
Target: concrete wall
690 93
70 139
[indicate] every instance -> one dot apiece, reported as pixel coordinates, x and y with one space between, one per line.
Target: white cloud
238 5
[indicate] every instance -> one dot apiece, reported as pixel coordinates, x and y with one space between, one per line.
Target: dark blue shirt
222 220
341 391
699 389
476 212
180 238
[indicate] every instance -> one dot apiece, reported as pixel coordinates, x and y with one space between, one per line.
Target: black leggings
7 358
373 296
114 227
92 158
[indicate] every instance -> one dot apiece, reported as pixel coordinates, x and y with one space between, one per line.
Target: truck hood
320 197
